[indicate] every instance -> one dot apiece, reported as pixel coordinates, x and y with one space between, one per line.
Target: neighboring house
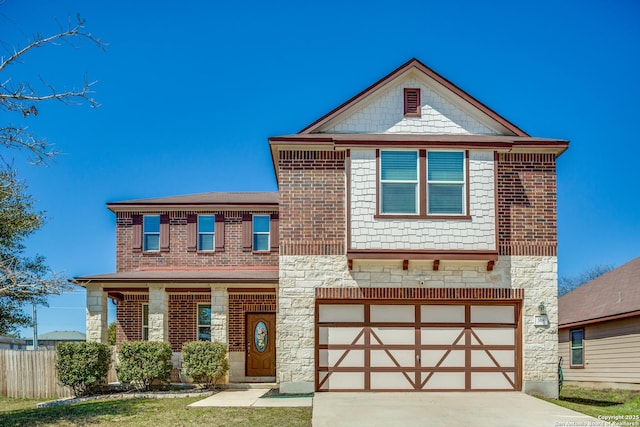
10 343
411 246
599 330
50 340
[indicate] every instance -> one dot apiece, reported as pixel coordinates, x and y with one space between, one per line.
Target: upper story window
399 182
261 232
151 233
446 182
423 183
412 102
204 322
206 232
577 347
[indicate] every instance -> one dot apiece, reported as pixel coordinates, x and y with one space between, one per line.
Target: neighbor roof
62 336
231 199
615 294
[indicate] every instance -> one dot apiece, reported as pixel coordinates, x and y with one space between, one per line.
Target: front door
261 346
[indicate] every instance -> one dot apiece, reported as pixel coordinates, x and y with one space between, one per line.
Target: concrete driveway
493 409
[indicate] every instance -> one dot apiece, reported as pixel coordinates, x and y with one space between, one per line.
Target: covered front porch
235 307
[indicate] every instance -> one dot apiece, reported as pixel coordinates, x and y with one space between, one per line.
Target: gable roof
219 200
613 295
414 64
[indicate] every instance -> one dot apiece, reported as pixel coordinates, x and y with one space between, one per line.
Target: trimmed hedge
143 362
205 361
83 366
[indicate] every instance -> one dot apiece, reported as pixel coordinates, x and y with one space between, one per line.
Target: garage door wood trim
463 342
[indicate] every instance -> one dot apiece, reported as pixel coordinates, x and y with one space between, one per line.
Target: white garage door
374 346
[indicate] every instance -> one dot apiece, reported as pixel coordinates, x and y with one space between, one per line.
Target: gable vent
412 102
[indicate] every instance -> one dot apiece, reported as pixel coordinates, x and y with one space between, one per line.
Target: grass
146 412
622 406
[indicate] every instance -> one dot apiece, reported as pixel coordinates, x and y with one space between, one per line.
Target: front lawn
146 412
618 406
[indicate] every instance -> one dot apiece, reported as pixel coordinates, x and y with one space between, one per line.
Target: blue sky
190 93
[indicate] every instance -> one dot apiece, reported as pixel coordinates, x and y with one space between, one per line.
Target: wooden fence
32 374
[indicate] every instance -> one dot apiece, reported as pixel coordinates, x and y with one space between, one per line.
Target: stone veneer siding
367 232
128 259
300 275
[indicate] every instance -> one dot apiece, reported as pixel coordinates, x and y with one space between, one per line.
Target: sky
190 92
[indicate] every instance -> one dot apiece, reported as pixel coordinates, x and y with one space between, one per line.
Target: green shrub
83 366
142 362
204 361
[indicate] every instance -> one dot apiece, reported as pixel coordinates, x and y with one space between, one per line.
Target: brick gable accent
181 253
312 202
526 187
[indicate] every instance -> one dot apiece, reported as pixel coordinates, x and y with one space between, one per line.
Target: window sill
576 367
423 217
150 253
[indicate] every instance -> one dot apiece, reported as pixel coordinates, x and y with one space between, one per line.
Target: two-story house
195 267
411 246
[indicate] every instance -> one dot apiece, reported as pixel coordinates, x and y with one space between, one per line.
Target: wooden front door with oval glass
261 348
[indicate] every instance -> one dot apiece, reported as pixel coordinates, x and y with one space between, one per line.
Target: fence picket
30 374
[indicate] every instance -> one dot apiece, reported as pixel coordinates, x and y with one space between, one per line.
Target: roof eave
579 323
344 141
155 206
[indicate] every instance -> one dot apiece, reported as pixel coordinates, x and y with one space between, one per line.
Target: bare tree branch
23 283
22 97
76 30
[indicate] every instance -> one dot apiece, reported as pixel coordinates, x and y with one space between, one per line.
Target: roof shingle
614 293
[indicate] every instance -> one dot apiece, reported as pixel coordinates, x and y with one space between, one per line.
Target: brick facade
527 222
127 259
129 317
239 305
312 202
183 315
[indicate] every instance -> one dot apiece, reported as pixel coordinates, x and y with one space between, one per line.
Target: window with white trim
261 232
151 233
145 322
399 182
446 183
206 232
577 347
204 322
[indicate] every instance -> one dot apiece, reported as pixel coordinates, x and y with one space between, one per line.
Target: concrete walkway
442 409
251 397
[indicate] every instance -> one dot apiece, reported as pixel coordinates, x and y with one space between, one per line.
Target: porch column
96 314
219 309
158 313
